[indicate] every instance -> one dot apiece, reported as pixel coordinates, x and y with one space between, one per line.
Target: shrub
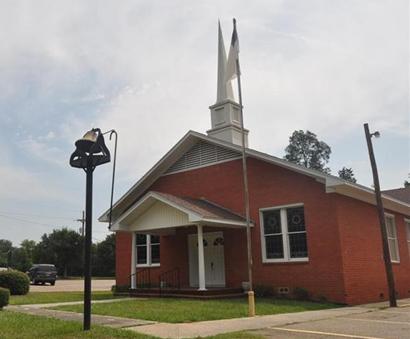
322 299
301 293
120 289
263 291
4 297
17 282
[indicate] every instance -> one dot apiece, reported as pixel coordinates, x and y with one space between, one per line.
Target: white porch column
133 263
201 259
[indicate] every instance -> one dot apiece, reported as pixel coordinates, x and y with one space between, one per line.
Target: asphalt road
376 324
73 286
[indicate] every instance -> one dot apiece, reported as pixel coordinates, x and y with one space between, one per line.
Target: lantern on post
90 152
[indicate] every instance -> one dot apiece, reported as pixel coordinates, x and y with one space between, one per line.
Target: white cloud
21 184
148 69
43 149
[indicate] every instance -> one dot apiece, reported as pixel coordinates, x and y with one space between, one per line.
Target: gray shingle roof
402 194
205 208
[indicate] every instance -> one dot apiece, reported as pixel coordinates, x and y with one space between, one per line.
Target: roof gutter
365 194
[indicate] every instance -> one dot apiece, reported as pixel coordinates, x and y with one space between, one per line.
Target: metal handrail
169 279
144 275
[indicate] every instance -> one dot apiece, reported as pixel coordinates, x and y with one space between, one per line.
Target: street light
90 152
382 220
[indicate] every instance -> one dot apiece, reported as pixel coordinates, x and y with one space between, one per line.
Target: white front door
214 259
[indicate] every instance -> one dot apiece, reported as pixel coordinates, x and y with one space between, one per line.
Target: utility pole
382 220
251 294
9 256
82 220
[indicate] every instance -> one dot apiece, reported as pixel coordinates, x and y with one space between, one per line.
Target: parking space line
378 321
393 312
323 333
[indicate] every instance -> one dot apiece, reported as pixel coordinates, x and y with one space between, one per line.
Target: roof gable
159 215
185 153
203 153
156 210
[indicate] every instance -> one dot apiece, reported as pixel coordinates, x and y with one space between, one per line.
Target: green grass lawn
54 297
81 278
23 326
176 310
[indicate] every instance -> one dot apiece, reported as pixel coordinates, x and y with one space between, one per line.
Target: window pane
296 219
271 222
154 239
390 227
142 254
298 245
141 239
274 247
155 254
394 254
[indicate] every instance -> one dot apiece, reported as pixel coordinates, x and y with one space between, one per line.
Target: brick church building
182 224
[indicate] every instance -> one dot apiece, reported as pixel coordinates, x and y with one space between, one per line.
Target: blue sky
148 69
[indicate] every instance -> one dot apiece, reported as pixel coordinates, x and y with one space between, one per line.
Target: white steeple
224 87
225 113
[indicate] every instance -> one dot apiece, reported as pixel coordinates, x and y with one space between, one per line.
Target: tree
63 248
305 149
28 246
347 174
6 247
20 259
105 257
406 183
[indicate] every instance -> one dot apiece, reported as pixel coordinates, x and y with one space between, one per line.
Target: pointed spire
224 87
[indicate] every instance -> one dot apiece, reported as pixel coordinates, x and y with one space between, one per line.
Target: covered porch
191 254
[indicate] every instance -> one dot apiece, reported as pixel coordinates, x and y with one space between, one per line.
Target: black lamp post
90 152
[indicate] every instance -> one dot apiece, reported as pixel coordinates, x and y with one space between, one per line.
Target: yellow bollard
251 304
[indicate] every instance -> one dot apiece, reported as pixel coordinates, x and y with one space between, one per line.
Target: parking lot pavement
73 286
376 324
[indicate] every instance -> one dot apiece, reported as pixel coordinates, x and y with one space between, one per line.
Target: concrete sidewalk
209 328
67 303
110 321
104 320
214 327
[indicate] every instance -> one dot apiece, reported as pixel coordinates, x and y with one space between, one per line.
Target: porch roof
157 210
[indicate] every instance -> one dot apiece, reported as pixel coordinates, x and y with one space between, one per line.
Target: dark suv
43 273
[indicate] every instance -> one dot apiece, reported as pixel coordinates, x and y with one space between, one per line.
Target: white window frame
396 239
407 223
285 234
149 257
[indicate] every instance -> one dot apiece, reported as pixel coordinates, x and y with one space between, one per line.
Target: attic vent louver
202 154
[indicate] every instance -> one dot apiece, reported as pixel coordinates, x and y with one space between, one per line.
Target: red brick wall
123 245
344 262
269 186
364 272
